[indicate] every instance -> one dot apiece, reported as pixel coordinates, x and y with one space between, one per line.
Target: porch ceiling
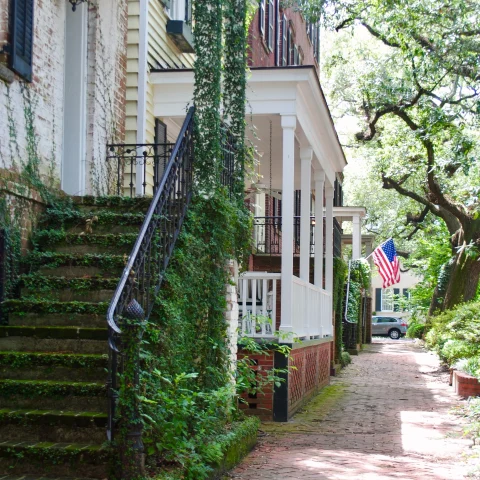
271 92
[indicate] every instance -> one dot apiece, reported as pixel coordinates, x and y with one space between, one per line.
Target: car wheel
394 334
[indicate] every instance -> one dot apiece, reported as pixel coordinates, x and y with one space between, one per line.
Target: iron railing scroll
122 162
144 271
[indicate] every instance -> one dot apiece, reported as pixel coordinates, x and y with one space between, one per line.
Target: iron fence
123 159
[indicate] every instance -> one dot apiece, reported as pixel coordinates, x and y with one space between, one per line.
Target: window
179 9
387 300
21 24
316 43
289 46
262 17
271 24
284 40
277 35
295 55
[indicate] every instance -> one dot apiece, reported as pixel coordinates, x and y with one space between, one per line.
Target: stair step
71 265
49 394
53 373
24 359
59 459
50 366
37 477
52 426
59 345
71 333
48 306
113 203
63 242
64 289
105 221
57 319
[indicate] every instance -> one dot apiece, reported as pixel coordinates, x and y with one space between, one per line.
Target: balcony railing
267 235
259 308
258 304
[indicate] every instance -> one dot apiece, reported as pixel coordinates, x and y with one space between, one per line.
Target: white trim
142 89
74 154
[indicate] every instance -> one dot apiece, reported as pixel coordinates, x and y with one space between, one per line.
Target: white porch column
289 123
356 238
329 238
306 182
319 184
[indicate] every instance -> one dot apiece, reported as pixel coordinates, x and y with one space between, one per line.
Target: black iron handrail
124 157
268 235
144 271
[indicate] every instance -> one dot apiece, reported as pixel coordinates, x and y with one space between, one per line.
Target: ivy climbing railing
143 274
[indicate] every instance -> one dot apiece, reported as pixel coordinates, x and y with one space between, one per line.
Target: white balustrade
312 311
258 303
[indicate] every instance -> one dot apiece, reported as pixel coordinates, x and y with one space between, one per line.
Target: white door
75 101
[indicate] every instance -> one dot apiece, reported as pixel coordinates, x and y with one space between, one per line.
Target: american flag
386 260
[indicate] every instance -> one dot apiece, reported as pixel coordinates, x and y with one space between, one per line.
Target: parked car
394 327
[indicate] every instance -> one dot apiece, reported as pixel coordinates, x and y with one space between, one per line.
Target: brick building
62 88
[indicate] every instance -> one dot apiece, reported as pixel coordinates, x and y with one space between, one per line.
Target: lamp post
75 3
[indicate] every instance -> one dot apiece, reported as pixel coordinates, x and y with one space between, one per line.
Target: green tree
409 73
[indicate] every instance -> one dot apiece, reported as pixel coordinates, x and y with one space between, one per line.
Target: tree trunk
462 282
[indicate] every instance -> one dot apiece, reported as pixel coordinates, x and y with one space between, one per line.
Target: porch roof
271 91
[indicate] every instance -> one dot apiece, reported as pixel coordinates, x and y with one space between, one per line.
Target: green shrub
471 366
345 359
416 329
455 334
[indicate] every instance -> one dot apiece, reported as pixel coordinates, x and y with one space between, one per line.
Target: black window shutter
378 300
396 293
405 293
22 38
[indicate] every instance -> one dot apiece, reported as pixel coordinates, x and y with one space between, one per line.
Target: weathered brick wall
465 385
311 373
260 56
43 98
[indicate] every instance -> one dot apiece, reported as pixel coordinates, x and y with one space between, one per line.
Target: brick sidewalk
386 416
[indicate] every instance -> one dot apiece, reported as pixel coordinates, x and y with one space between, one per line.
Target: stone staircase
53 349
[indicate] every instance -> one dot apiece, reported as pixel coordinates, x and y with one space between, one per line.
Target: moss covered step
113 203
52 426
64 289
100 221
50 394
71 265
63 242
57 319
37 477
20 307
79 333
30 359
59 459
59 345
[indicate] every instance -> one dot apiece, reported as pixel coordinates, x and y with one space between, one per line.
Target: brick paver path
386 416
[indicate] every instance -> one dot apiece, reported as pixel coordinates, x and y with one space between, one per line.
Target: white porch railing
311 312
258 303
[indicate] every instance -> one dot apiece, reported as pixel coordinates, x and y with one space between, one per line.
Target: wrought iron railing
144 271
267 234
123 159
